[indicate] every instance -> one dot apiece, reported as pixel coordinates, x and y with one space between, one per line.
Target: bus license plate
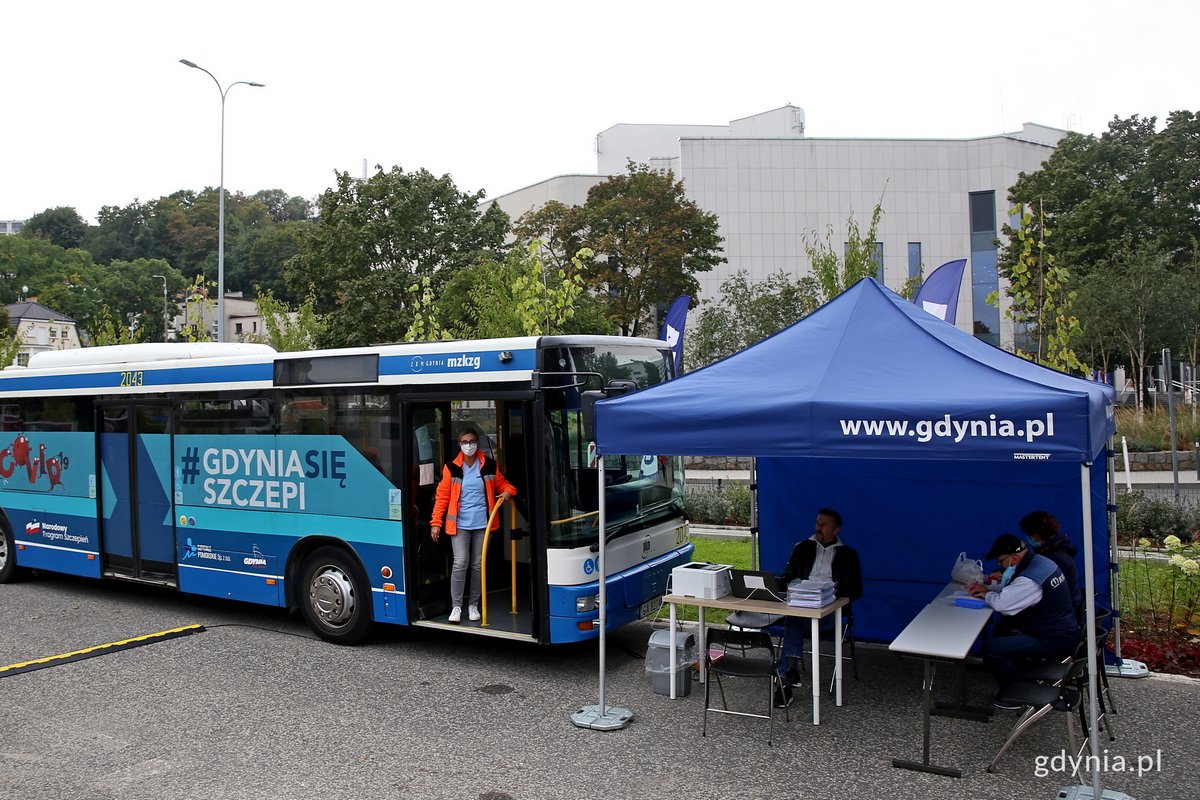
650 606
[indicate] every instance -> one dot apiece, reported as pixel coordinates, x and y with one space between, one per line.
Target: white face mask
468 448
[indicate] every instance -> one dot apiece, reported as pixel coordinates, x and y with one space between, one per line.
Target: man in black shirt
822 557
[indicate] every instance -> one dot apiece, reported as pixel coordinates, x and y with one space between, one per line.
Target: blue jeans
468 548
794 631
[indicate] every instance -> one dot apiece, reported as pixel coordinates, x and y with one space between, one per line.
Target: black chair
741 654
753 621
1050 686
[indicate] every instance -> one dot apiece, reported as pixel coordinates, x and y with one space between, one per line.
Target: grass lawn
734 551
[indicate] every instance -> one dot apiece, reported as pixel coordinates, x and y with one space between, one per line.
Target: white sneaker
456 614
473 613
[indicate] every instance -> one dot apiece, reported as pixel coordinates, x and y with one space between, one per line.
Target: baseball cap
1005 545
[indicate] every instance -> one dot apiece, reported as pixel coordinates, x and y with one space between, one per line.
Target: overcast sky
97 110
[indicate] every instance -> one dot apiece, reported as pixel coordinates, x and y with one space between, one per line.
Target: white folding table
771 607
942 631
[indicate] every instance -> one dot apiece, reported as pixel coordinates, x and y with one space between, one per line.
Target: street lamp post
166 323
221 201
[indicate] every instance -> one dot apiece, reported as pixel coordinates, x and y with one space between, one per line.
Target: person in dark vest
470 488
1046 539
1037 620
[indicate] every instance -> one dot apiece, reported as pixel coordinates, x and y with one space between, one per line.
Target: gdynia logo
256 559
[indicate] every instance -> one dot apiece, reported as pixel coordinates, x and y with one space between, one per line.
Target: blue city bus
306 480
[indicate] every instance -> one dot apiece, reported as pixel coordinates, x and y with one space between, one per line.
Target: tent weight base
1088 793
611 718
1128 668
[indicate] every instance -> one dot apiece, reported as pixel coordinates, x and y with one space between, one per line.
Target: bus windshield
640 489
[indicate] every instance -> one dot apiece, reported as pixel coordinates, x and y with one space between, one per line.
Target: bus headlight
585 602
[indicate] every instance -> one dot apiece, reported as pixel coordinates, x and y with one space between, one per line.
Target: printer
701 579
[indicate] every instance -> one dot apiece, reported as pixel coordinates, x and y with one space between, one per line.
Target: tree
652 242
1128 197
835 273
61 226
1040 300
558 227
288 330
539 296
10 345
198 306
261 254
133 292
1134 288
283 208
426 325
1130 184
38 265
520 296
108 329
374 239
747 312
138 230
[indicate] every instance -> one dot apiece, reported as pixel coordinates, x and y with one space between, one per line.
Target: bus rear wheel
336 599
8 555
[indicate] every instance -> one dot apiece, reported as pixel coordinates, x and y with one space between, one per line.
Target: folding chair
741 654
1052 686
753 621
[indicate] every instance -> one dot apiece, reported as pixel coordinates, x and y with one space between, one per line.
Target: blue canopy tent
927 440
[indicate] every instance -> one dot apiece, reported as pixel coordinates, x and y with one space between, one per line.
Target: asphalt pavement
254 707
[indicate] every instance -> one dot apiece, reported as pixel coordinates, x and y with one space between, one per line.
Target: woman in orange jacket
465 498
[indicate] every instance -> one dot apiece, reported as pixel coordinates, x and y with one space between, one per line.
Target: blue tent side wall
910 520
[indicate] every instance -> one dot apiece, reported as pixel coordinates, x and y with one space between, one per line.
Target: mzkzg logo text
435 363
956 430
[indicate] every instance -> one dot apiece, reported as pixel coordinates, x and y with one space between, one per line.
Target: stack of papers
810 594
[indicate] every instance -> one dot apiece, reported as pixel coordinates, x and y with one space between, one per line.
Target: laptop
757 585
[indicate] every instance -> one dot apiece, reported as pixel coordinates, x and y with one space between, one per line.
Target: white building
39 329
11 227
243 323
771 186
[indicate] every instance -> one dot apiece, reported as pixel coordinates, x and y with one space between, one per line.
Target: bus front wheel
336 598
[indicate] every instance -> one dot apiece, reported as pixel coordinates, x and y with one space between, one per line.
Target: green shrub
1160 588
727 504
1155 518
1152 432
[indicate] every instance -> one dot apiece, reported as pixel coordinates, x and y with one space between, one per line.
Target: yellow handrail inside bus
487 535
585 515
512 555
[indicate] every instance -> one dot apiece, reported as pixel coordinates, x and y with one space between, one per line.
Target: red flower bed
1175 652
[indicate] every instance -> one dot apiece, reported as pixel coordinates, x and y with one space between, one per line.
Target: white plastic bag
967 571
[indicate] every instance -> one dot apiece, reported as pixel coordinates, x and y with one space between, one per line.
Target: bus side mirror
587 403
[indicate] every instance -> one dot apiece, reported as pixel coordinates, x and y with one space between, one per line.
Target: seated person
822 557
1037 620
1042 530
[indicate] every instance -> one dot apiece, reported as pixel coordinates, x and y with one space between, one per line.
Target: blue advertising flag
672 330
939 293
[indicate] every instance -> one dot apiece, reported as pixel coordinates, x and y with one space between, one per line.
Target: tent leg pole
755 556
1089 577
602 717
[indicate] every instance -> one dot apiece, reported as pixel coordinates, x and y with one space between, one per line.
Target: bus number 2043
131 378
